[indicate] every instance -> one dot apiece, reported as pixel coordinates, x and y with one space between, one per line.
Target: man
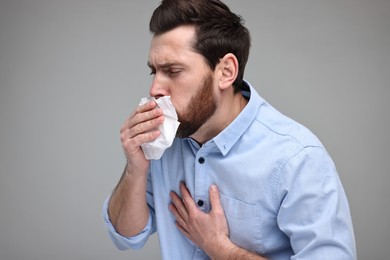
241 181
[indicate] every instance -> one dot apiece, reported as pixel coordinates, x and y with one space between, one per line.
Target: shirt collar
229 136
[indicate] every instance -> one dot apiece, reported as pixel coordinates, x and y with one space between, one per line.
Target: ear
228 67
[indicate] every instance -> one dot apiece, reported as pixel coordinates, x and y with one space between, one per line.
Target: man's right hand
127 209
139 128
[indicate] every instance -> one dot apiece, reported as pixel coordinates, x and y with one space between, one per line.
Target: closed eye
173 72
169 69
168 72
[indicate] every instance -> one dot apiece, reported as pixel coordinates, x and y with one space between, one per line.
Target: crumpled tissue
155 149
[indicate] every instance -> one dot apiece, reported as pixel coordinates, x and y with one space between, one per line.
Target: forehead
174 46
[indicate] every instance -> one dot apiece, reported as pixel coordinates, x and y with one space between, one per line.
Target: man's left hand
208 231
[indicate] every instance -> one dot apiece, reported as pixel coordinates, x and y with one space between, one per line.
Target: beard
200 108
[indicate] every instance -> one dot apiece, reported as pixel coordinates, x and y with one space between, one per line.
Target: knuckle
126 144
194 218
187 200
123 138
219 213
136 129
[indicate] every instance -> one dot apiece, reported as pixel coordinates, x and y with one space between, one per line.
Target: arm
209 231
316 217
128 210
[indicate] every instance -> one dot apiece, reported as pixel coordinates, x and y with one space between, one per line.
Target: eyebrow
164 65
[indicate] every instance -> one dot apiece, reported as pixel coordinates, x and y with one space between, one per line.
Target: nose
158 88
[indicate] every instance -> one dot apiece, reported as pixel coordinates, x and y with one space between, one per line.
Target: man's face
183 74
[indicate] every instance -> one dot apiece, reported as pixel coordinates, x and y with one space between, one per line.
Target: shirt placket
201 183
201 191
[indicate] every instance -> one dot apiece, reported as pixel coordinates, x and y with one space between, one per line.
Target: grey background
71 71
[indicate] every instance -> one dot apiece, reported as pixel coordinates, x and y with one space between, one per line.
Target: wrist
135 169
221 250
230 251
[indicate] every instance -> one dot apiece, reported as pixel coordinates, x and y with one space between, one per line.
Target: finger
144 127
215 199
141 115
180 221
182 230
151 104
188 201
143 109
133 145
134 138
179 206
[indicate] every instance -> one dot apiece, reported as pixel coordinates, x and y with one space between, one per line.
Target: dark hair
218 30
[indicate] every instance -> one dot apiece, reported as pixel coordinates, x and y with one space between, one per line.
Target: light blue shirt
280 190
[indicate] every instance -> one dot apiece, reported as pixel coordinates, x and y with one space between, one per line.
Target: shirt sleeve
314 211
122 242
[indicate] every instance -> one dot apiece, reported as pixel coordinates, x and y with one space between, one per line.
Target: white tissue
155 149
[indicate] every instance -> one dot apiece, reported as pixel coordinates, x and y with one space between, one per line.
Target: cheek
183 91
180 104
180 100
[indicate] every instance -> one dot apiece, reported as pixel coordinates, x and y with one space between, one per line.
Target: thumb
215 199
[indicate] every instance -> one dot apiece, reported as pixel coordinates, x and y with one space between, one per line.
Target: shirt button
200 203
201 160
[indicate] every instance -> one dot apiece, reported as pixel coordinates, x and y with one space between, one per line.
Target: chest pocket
244 223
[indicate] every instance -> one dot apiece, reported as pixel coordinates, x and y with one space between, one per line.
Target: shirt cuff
122 242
